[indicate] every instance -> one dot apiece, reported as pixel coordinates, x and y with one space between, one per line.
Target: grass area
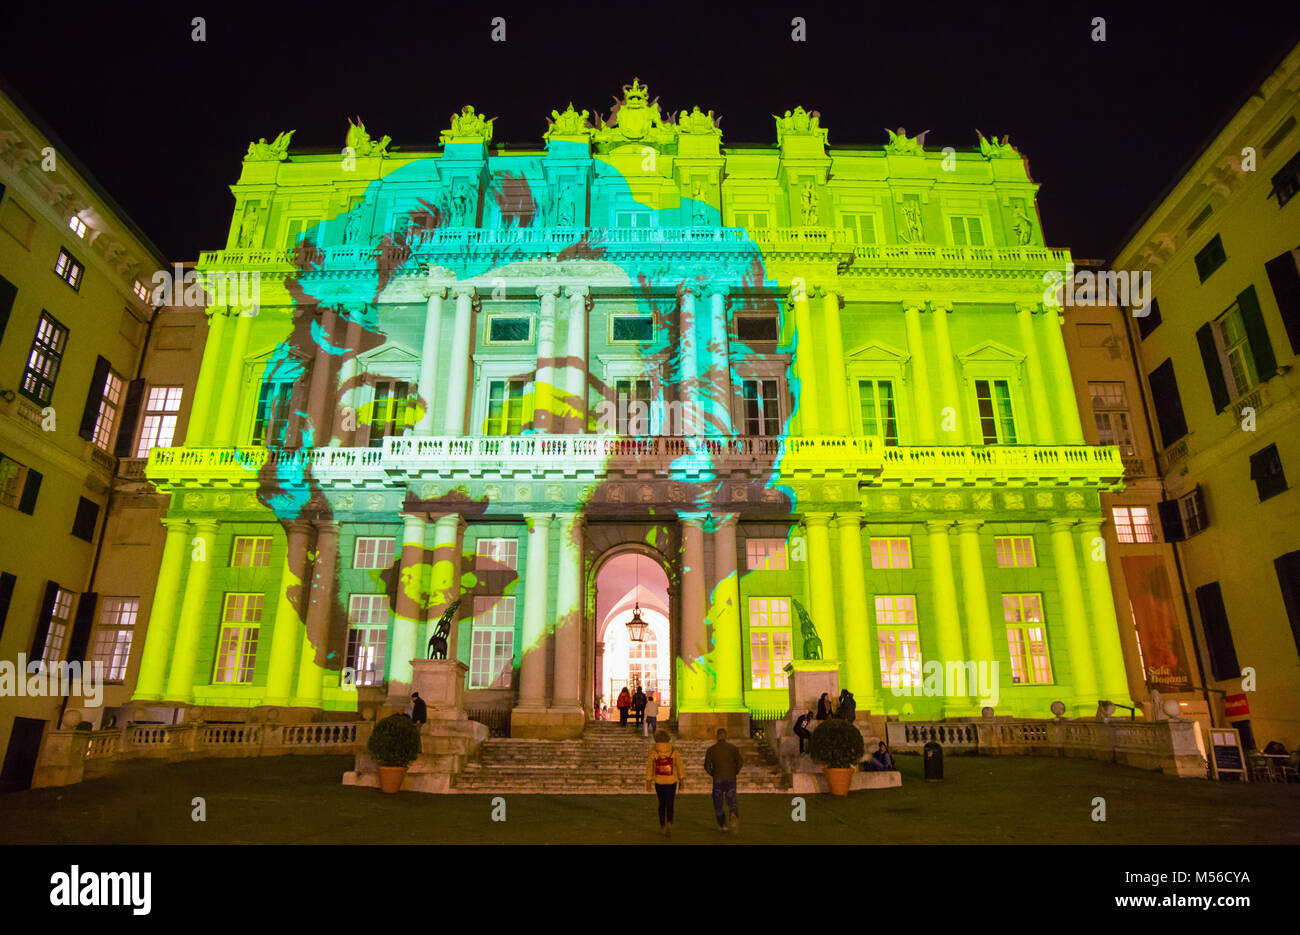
300 800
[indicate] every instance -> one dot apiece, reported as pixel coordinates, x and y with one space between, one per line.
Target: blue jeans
652 724
724 793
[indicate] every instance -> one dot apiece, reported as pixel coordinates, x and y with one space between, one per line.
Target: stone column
285 641
1043 431
318 408
408 613
429 351
224 434
1105 626
180 680
576 352
728 657
345 429
162 614
533 651
979 628
822 584
920 373
692 689
1082 667
442 542
688 389
947 618
461 349
837 380
947 378
858 666
807 362
1071 428
718 420
567 707
544 416
315 636
196 432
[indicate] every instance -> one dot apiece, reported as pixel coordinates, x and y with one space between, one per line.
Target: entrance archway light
636 626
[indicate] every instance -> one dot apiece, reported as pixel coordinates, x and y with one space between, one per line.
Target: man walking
638 705
419 710
723 762
651 717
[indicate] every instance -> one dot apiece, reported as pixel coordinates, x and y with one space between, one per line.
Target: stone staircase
607 760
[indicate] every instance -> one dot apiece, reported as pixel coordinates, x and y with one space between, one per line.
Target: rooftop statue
995 149
276 151
902 144
799 122
467 126
569 123
635 119
360 143
698 122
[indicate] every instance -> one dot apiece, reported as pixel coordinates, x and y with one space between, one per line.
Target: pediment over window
878 351
990 352
389 353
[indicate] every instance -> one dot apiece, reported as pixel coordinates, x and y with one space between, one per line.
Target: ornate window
769 642
241 623
997 418
113 636
505 407
898 640
392 405
762 406
492 640
1027 639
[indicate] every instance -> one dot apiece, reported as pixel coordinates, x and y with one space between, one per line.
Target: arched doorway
626 579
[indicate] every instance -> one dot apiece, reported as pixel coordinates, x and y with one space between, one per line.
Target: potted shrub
838 746
394 744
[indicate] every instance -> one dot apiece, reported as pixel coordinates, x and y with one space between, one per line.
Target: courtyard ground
983 800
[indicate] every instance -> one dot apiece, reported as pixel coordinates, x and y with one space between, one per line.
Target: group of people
845 708
664 773
643 707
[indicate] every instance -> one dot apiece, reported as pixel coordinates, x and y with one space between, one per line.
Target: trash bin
933 762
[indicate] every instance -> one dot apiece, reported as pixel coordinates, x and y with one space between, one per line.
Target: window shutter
43 622
1218 638
31 489
81 627
1213 368
1288 578
8 292
1201 511
7 582
1169 405
1257 334
130 416
1284 277
93 398
1171 521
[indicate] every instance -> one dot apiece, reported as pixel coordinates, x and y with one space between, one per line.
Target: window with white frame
891 552
113 635
374 552
367 637
106 419
1234 342
862 225
1014 551
749 220
997 419
876 406
241 622
496 554
765 554
274 402
634 402
1110 410
633 218
68 269
392 403
250 552
898 640
967 230
77 226
509 329
139 291
769 642
57 634
762 408
631 329
758 328
492 642
505 407
158 425
1027 639
44 360
1132 524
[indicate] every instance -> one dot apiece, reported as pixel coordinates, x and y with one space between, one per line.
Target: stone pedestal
809 680
441 684
543 723
703 725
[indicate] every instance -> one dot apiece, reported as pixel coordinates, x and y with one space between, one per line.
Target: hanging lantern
636 626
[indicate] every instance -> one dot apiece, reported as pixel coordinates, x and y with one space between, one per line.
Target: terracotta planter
838 780
390 778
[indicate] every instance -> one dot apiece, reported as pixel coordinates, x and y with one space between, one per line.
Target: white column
429 357
1043 430
532 654
461 350
576 352
718 419
568 614
688 388
544 419
920 372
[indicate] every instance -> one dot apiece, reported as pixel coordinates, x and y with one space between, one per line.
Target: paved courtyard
300 800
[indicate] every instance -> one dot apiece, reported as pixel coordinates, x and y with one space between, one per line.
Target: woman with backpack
663 773
624 702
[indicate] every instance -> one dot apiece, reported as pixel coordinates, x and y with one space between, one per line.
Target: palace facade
816 392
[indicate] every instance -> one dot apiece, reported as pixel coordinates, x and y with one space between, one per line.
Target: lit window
367 637
117 617
1026 639
1132 524
251 552
106 419
78 226
765 554
762 409
769 642
505 408
390 410
492 640
374 552
1110 410
140 292
68 269
60 618
496 554
891 553
44 360
272 419
997 420
1014 551
898 640
633 407
241 621
158 427
876 402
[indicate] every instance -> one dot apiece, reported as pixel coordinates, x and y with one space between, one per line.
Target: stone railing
1169 746
1174 455
887 255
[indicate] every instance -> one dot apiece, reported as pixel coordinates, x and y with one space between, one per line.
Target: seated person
1274 749
881 761
801 728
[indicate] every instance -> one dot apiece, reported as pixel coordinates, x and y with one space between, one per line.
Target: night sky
163 122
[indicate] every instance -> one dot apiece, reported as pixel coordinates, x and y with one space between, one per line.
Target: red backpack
664 764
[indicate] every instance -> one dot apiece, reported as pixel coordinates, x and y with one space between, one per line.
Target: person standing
651 726
663 773
419 710
638 705
847 709
723 762
801 728
624 702
824 708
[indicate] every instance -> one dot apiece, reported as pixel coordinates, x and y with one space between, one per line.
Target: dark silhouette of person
419 710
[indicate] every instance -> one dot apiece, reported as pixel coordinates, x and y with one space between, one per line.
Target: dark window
757 328
19 485
43 361
1169 405
389 410
1147 323
269 428
8 292
1210 258
510 329
1284 276
83 527
1218 638
1246 733
68 269
762 410
7 582
1266 472
1286 181
1171 521
633 328
1288 578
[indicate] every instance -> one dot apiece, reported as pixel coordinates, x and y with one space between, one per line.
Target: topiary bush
395 741
836 744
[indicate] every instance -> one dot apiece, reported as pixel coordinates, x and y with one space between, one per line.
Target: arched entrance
627 577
